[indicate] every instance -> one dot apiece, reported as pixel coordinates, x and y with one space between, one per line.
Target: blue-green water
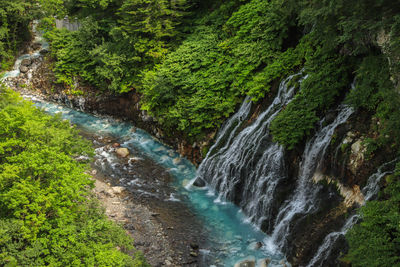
230 235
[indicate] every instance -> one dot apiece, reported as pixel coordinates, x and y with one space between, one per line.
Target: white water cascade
249 155
304 199
247 167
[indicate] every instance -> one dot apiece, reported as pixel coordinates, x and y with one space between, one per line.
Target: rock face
122 152
23 69
26 62
357 156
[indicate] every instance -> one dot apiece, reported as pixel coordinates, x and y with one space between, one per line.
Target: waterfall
245 165
322 257
303 200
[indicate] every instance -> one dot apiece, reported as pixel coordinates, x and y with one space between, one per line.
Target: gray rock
199 182
36 46
26 62
122 152
44 51
23 69
118 189
264 262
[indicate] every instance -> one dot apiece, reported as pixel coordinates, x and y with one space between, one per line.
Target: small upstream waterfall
303 200
248 165
322 257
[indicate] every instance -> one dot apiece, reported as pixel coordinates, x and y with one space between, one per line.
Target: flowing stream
230 235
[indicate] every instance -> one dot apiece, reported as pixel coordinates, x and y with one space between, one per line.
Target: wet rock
199 182
115 145
249 262
23 69
194 254
36 46
176 160
194 246
357 156
44 51
263 262
26 62
122 152
255 245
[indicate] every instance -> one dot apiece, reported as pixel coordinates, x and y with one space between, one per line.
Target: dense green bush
327 79
47 214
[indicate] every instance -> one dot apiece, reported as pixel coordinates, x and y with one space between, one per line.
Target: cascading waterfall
321 258
249 165
304 199
246 166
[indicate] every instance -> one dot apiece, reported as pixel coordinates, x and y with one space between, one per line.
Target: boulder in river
255 245
26 62
36 46
23 69
44 51
263 262
115 145
122 152
199 182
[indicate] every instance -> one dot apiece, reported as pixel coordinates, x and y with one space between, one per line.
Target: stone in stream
122 152
44 51
248 262
115 145
263 262
26 62
255 245
199 182
23 69
177 160
36 46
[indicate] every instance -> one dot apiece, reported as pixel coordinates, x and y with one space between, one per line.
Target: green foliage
47 215
375 92
116 42
327 79
194 67
376 240
199 84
